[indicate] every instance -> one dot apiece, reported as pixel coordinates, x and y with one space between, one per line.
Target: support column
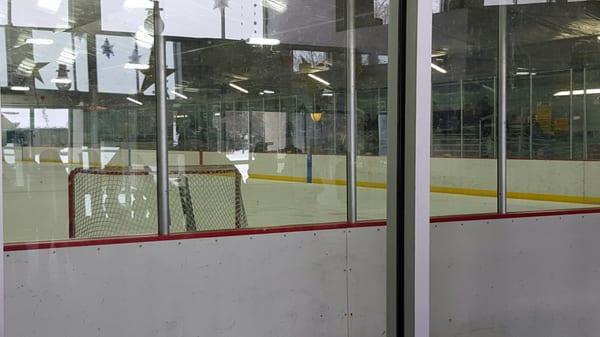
409 132
501 124
162 161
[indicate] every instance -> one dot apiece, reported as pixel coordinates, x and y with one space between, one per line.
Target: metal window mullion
571 114
162 162
462 113
351 113
585 138
501 124
530 115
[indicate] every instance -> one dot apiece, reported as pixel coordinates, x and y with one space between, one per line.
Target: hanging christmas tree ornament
107 48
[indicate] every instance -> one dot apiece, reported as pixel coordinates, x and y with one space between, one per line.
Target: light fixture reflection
136 66
237 87
577 92
134 101
279 6
318 79
178 94
19 88
39 41
61 80
263 41
438 68
524 73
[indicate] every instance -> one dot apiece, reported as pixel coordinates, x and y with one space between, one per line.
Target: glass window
551 92
556 168
60 128
463 134
256 105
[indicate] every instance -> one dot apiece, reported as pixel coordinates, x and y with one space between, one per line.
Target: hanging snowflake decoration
107 49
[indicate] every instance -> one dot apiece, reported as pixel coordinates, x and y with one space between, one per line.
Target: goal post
122 201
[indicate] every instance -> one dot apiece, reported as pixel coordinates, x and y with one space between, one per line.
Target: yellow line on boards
442 189
588 200
518 195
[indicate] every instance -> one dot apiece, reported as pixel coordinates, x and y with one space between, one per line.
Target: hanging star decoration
149 74
107 48
221 4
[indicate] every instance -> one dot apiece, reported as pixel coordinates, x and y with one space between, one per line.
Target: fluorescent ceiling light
438 68
577 92
178 94
136 66
318 79
269 92
181 116
61 80
218 114
134 101
235 86
19 88
137 4
39 41
263 41
327 94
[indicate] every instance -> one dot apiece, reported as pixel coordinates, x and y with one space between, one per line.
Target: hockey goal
117 202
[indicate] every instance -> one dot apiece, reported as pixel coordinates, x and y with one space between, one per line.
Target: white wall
534 277
314 283
553 177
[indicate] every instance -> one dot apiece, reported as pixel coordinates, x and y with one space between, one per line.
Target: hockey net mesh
120 202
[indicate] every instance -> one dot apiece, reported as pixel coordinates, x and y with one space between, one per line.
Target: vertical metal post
2 224
462 114
351 112
501 125
571 114
222 23
250 144
530 115
334 123
585 140
162 160
495 114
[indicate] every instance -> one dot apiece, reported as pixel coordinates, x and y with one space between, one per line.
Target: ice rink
36 202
